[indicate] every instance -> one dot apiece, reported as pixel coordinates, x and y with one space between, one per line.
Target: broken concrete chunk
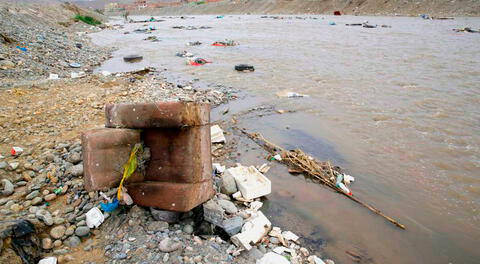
105 151
253 231
251 183
157 115
217 134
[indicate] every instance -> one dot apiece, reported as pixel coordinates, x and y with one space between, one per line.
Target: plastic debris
217 134
109 206
331 23
226 43
251 183
53 76
253 231
218 168
244 68
340 184
95 217
264 168
75 65
273 258
49 260
132 58
184 54
22 48
348 179
15 151
194 43
75 75
197 62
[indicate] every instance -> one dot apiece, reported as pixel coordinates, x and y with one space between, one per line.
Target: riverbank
357 7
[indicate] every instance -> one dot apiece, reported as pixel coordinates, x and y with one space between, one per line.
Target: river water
398 108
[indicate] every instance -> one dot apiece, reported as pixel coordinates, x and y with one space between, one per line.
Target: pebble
57 232
57 243
16 208
44 216
165 257
37 200
120 256
76 170
74 158
73 241
168 245
47 243
82 231
32 195
50 197
157 226
70 230
188 229
14 165
8 187
3 164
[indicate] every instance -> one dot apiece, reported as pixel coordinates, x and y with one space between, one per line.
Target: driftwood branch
320 172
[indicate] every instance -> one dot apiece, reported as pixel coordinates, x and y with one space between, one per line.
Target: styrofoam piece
95 217
272 258
256 205
75 75
218 168
348 179
49 260
53 76
251 183
288 235
253 231
216 134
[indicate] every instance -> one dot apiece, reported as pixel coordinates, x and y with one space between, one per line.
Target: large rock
73 241
229 186
213 213
82 231
169 245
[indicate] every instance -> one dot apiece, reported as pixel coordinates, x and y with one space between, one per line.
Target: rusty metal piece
178 197
179 155
157 115
105 151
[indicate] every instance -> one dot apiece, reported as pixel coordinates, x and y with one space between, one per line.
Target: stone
3 165
58 220
50 197
57 232
16 208
14 165
57 243
82 231
73 241
154 226
228 206
6 64
32 195
233 225
7 187
70 230
47 243
163 215
120 256
105 151
76 170
213 213
74 158
228 186
37 200
168 245
188 229
44 216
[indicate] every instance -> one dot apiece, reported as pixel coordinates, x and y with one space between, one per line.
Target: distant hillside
359 7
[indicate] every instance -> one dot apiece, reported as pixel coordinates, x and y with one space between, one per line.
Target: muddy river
398 108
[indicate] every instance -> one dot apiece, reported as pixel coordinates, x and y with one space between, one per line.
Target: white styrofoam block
49 260
217 134
253 231
273 258
251 183
95 217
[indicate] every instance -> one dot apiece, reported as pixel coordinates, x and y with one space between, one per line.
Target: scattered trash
152 38
75 75
425 16
49 260
109 206
194 43
276 157
133 58
288 235
220 16
106 73
273 258
337 13
53 76
253 231
75 65
348 179
320 172
20 236
217 134
466 29
291 94
225 43
264 168
354 25
250 182
94 217
331 23
443 18
244 68
184 54
191 27
366 25
197 62
78 45
22 48
15 151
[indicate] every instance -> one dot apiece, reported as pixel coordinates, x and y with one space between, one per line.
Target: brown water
396 107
